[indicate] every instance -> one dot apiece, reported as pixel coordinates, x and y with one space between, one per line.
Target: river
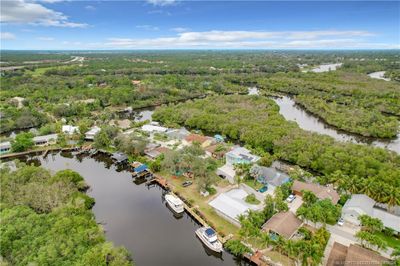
307 121
136 216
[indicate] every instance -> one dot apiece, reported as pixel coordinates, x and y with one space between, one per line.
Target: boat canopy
210 232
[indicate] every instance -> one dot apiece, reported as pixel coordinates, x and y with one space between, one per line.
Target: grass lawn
192 195
390 240
41 70
278 257
254 184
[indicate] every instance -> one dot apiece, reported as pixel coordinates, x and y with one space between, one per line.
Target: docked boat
175 203
209 237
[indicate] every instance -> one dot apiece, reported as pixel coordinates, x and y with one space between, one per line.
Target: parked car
291 198
187 183
263 189
340 222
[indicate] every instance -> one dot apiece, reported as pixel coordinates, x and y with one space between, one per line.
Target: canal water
307 121
136 216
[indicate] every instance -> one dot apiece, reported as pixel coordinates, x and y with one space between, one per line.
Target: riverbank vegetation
46 220
349 101
257 122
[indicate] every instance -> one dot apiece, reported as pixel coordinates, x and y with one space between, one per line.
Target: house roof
45 138
363 204
93 131
232 203
244 154
153 153
338 255
69 129
178 133
151 128
119 156
274 177
320 191
196 137
5 145
283 223
358 255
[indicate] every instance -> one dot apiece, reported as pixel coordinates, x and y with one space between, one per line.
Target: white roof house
67 129
240 155
5 147
154 128
92 132
360 204
230 205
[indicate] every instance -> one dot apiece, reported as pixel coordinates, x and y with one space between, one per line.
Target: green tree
22 142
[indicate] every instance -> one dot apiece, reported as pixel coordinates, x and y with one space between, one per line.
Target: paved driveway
294 205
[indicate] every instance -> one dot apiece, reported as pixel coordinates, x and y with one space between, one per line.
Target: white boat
209 237
175 203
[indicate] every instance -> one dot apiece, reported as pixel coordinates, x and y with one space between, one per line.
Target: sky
173 24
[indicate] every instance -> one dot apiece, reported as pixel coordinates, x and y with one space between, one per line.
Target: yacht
209 237
175 203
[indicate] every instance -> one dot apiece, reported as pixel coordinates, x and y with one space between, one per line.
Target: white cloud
147 27
253 39
180 29
47 39
23 12
89 7
7 36
161 2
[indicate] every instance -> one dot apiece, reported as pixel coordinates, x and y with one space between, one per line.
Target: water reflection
136 216
307 121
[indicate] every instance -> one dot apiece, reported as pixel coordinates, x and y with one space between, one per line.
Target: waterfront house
235 156
92 133
322 192
45 140
271 176
204 141
354 255
69 130
5 147
119 157
284 224
360 204
240 155
230 205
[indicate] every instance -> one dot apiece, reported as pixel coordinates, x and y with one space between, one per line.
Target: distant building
203 140
321 192
5 147
119 157
153 128
92 133
230 205
154 153
360 204
69 130
219 138
284 224
354 255
45 140
179 134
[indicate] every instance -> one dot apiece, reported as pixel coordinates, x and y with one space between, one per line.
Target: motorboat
175 203
209 237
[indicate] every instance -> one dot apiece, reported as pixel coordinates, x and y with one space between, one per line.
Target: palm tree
392 198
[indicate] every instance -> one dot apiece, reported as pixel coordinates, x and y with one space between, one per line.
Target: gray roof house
46 139
178 133
272 176
360 204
